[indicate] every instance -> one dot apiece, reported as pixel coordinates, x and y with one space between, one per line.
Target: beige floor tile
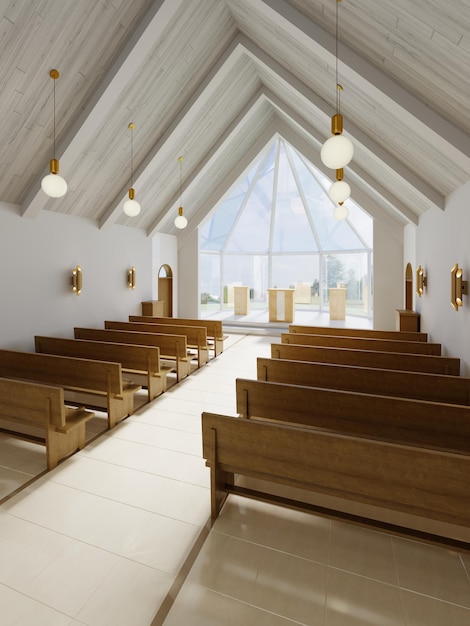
424 611
364 552
196 606
432 571
357 601
246 519
292 587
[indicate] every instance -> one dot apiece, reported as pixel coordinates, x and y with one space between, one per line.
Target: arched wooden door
408 287
165 289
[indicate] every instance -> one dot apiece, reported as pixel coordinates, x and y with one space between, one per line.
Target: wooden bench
363 343
142 363
391 418
418 385
368 358
432 484
42 406
196 336
96 384
215 333
172 347
358 332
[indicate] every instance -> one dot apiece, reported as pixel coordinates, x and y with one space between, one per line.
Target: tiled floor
107 537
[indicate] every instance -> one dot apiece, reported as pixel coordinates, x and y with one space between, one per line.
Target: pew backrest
214 327
368 358
32 403
363 343
132 357
69 372
170 345
196 336
354 468
418 385
403 420
358 332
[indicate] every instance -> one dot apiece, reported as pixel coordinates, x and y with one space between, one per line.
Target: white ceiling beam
373 186
370 78
206 88
259 56
230 133
115 82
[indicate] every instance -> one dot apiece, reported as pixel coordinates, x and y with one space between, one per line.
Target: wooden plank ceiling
214 81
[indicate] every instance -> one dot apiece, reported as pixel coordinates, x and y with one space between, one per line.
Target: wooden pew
196 336
432 484
363 343
402 420
368 358
96 384
172 347
42 406
215 333
141 362
418 385
358 332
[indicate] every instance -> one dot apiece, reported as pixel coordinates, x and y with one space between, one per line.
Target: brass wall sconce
77 280
421 281
131 278
458 287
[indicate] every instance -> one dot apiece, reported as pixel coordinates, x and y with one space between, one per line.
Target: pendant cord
338 86
54 117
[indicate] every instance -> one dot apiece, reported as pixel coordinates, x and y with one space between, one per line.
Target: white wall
442 241
188 286
388 274
37 257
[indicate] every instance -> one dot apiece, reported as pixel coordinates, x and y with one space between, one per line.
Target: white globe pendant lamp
131 207
341 212
180 220
53 184
339 191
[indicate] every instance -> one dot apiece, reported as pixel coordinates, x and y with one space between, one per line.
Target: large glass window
276 228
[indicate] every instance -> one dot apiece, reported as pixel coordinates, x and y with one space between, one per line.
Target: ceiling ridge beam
216 74
362 71
114 83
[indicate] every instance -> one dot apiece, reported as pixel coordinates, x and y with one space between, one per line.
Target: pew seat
358 332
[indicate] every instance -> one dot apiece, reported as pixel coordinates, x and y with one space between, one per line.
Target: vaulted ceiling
213 81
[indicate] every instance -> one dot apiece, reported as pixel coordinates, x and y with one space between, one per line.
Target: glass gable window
276 228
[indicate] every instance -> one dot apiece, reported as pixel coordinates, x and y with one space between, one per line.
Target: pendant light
180 220
131 206
53 184
338 150
340 190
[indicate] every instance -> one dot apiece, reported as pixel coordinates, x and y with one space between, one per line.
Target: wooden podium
241 300
281 305
337 303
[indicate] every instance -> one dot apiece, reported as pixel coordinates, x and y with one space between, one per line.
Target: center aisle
101 539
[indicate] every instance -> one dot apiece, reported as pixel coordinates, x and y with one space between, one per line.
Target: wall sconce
421 281
77 280
131 277
458 287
